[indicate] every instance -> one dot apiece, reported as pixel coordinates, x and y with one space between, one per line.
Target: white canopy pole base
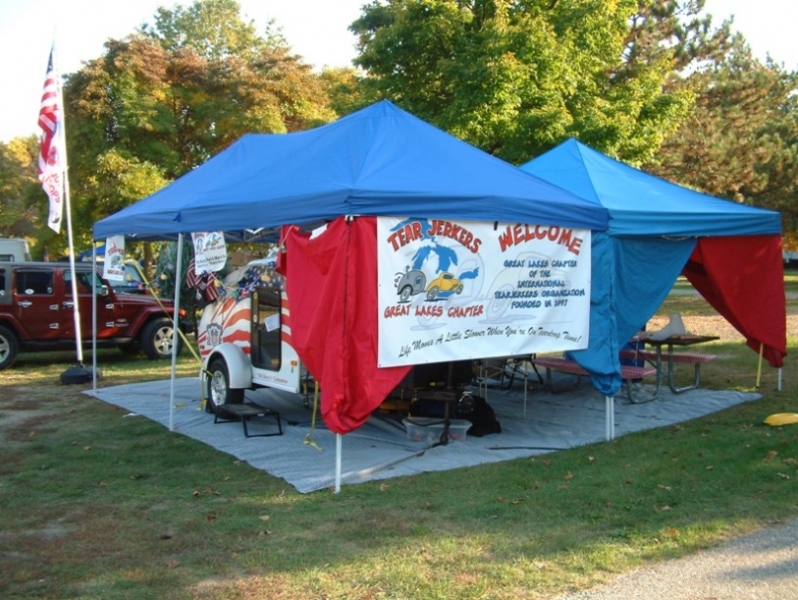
609 414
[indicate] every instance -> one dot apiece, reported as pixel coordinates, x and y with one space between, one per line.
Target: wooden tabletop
684 339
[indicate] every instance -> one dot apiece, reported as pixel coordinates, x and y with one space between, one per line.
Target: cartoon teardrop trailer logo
413 282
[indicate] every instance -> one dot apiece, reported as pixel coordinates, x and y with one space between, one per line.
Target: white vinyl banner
458 290
114 261
210 251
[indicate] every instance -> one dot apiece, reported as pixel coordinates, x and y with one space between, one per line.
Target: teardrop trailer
244 337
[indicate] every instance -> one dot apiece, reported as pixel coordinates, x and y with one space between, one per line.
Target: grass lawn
97 505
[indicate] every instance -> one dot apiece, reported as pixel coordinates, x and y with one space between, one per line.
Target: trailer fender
238 363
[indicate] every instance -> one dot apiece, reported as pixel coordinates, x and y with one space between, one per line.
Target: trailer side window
266 324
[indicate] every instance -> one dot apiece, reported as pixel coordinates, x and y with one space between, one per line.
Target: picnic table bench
688 358
629 373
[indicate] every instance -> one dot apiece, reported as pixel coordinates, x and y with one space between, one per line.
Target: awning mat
381 449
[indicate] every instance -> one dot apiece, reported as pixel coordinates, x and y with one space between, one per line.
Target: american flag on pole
50 169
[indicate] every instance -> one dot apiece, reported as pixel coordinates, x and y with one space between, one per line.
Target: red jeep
36 312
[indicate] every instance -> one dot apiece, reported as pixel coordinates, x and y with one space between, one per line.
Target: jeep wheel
9 348
218 386
156 339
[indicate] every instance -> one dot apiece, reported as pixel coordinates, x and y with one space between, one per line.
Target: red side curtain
331 282
742 277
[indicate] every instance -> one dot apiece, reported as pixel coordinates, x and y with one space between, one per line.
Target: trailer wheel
219 391
157 338
9 348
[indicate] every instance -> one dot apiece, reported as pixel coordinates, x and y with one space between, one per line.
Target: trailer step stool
231 413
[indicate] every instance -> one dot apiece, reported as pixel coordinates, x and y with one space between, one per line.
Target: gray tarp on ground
380 449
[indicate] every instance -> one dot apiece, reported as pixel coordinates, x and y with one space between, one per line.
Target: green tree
343 86
168 97
20 190
740 140
516 78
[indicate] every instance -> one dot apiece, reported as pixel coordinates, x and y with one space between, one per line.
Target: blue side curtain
631 278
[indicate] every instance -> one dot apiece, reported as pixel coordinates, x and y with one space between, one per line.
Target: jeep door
105 307
36 305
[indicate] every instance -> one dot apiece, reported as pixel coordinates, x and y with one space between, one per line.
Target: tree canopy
652 82
171 95
740 139
515 78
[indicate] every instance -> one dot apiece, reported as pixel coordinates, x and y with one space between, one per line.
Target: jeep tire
157 339
9 347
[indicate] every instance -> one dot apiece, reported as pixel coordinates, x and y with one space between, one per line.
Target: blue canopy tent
378 161
730 252
375 162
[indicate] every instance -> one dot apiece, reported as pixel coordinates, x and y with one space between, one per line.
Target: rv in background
14 250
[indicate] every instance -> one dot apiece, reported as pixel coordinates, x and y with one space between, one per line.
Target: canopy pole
175 326
337 463
759 367
93 317
609 416
780 380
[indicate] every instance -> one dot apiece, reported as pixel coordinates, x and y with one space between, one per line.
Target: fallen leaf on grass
264 517
383 487
771 455
172 564
210 516
671 531
783 475
569 476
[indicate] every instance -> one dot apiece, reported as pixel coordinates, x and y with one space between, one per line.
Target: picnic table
676 357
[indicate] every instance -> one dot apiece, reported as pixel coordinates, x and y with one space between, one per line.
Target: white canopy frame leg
338 444
609 415
175 325
93 318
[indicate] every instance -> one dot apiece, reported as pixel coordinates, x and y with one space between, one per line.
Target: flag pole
53 169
